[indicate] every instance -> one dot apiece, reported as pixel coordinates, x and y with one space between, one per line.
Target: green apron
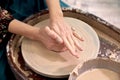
20 9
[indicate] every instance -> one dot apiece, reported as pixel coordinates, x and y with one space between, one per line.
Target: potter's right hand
45 35
50 39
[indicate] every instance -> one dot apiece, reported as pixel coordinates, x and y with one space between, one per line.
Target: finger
55 29
58 48
73 29
64 49
68 46
71 42
53 35
77 44
77 36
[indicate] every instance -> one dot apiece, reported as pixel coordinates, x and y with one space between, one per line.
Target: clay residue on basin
99 74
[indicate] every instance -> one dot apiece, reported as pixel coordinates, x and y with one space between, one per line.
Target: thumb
53 35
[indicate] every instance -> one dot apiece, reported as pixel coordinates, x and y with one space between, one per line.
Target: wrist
34 34
56 15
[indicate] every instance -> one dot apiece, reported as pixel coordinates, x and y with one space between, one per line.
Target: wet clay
99 74
54 64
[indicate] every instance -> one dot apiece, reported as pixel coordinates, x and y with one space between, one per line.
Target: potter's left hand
62 28
70 38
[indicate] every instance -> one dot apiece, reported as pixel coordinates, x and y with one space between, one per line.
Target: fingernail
64 49
81 49
82 39
59 40
77 56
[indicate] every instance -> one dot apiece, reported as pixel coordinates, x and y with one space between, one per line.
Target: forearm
54 9
23 29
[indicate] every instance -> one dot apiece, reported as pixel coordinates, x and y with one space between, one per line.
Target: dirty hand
50 39
68 35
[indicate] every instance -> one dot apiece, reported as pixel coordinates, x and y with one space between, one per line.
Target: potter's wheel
53 64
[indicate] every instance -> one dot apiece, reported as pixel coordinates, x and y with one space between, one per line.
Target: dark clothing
19 9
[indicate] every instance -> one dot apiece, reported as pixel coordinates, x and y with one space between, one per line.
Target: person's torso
21 9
